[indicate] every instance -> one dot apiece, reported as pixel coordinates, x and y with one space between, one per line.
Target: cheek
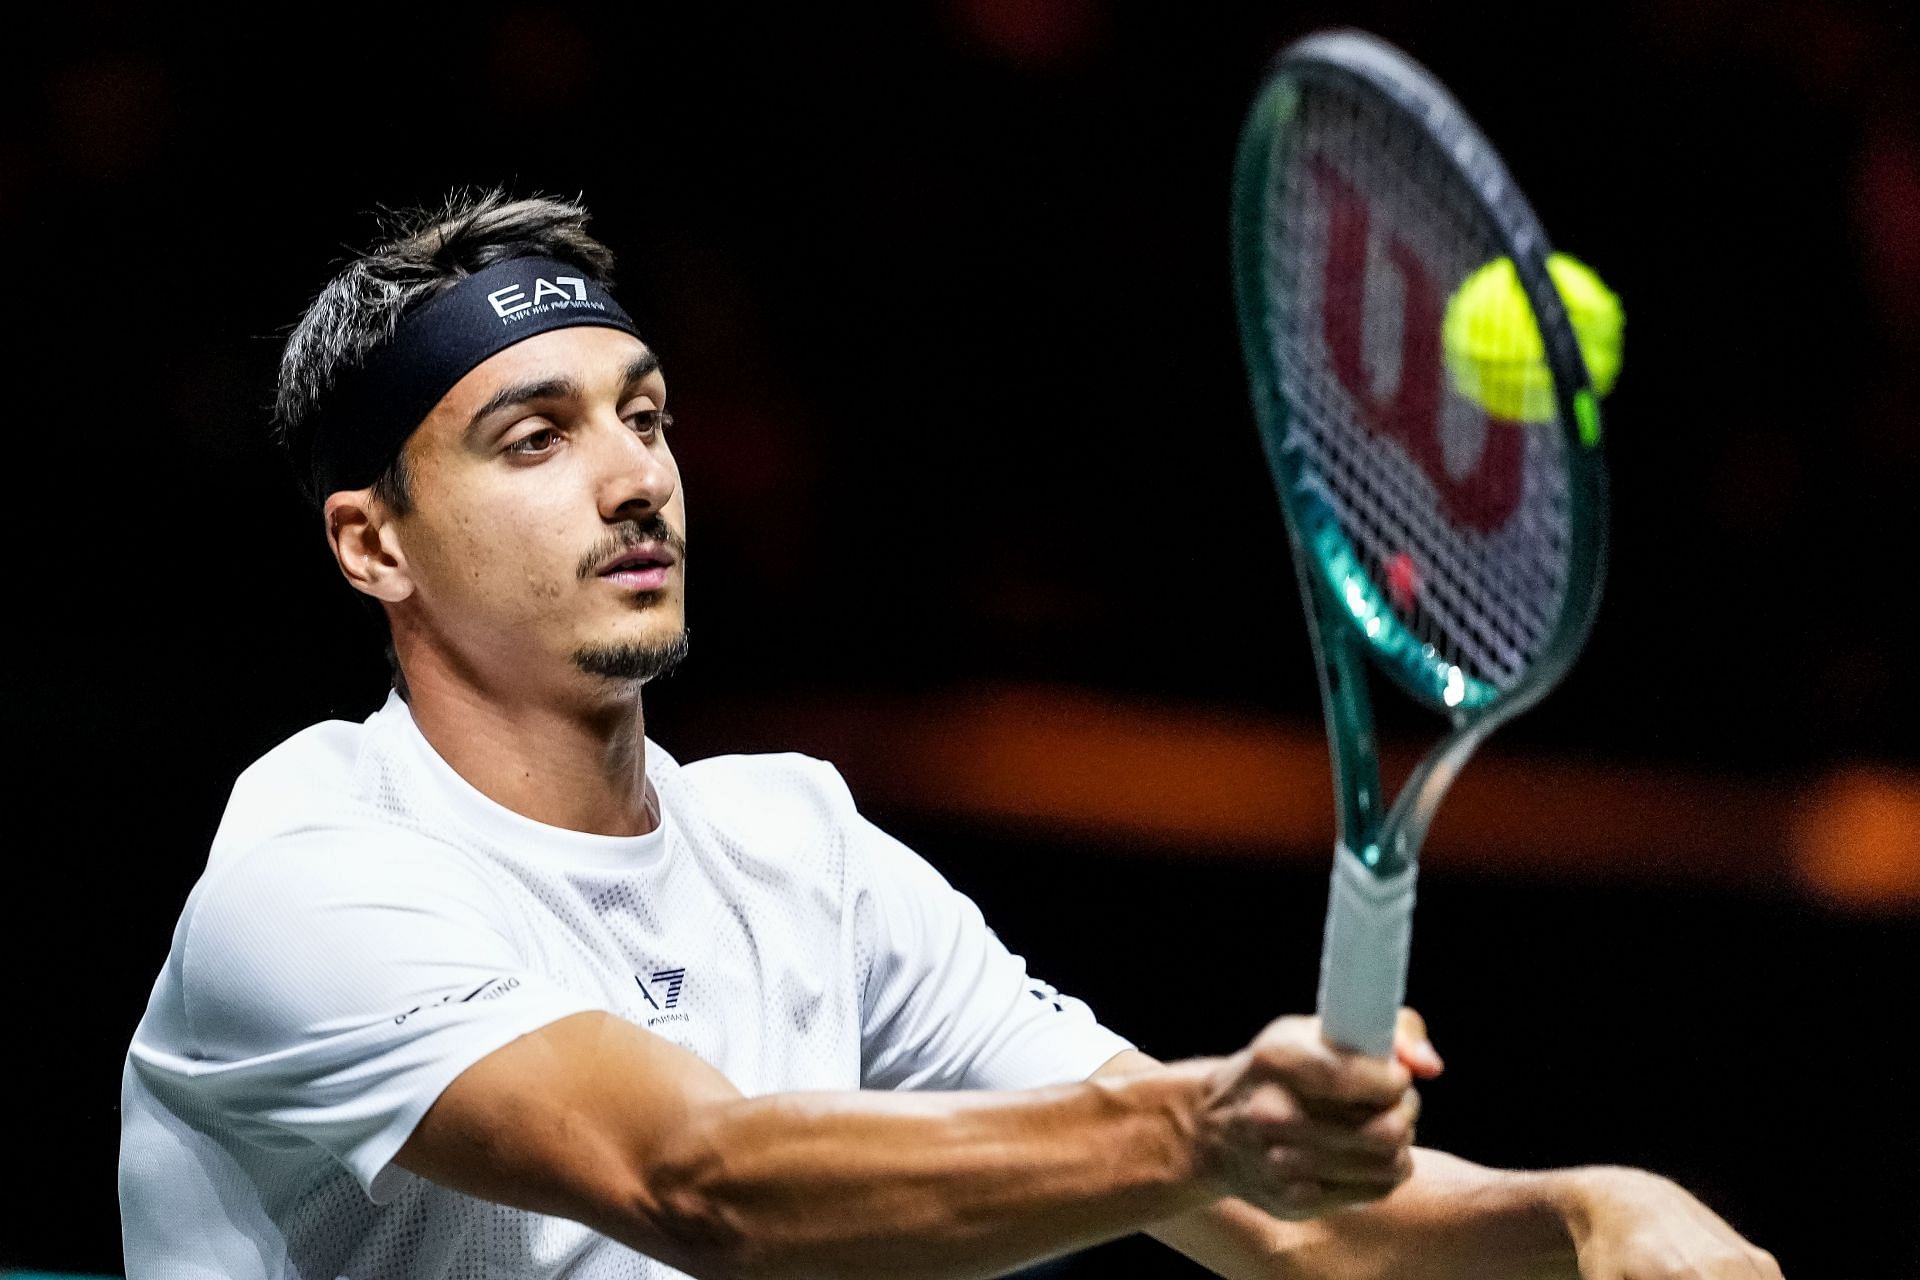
527 559
543 583
508 550
504 561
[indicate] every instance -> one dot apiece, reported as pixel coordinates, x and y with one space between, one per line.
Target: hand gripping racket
1463 550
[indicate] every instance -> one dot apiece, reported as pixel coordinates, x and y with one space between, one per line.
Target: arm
594 1119
597 1120
1454 1220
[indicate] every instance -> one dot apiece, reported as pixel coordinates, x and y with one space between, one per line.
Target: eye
650 422
535 443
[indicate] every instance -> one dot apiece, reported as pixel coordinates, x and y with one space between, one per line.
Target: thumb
1414 1049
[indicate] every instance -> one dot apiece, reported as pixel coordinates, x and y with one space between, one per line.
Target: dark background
942 294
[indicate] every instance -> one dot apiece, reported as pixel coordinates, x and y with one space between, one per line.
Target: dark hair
424 253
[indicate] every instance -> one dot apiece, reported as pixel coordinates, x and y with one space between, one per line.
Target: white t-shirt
369 925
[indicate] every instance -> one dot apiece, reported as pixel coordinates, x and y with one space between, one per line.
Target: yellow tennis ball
1492 346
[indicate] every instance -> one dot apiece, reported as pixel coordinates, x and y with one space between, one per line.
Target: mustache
628 536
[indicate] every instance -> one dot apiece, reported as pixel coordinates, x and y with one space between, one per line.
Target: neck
579 765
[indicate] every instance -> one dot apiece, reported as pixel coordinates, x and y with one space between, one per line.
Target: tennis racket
1463 551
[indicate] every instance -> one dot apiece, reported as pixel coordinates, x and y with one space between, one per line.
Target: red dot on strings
1403 581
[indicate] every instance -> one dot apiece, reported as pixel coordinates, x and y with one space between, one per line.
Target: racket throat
1360 806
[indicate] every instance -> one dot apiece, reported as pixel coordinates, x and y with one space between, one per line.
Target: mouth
641 568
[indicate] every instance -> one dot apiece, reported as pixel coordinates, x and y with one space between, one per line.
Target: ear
366 542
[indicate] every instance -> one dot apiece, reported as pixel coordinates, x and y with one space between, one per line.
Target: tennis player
490 986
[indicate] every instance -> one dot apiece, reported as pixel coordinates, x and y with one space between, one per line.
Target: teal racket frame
1364 958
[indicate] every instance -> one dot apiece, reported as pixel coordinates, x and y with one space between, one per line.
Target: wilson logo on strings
1487 496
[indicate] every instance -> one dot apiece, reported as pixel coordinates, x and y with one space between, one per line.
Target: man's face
546 537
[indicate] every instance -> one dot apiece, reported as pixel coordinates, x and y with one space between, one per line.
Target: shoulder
789 804
329 922
783 824
786 797
772 791
306 781
311 863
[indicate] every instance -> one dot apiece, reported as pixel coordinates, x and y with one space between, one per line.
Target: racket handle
1363 959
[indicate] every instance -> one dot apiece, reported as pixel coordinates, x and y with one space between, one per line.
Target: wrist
1166 1104
1585 1197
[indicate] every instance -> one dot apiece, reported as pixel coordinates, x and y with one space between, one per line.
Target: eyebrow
520 393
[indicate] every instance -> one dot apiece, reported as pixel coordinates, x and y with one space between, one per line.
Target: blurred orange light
1858 838
1212 783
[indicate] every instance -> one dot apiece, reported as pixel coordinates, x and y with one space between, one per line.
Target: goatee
633 661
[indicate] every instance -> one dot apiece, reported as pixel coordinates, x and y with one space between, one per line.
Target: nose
636 478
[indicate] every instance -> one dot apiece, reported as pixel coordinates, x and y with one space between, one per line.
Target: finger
1413 1047
1276 1116
1321 1074
1353 1115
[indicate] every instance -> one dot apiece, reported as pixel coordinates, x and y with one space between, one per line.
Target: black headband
367 417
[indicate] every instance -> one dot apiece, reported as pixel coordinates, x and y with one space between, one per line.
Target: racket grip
1363 958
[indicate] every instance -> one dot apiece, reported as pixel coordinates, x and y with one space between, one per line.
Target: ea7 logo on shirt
663 994
512 302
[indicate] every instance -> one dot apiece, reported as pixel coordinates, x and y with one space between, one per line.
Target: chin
635 659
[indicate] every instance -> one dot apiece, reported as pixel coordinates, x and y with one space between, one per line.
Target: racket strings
1462 524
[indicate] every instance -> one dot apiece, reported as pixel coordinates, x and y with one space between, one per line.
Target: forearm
1453 1220
927 1185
